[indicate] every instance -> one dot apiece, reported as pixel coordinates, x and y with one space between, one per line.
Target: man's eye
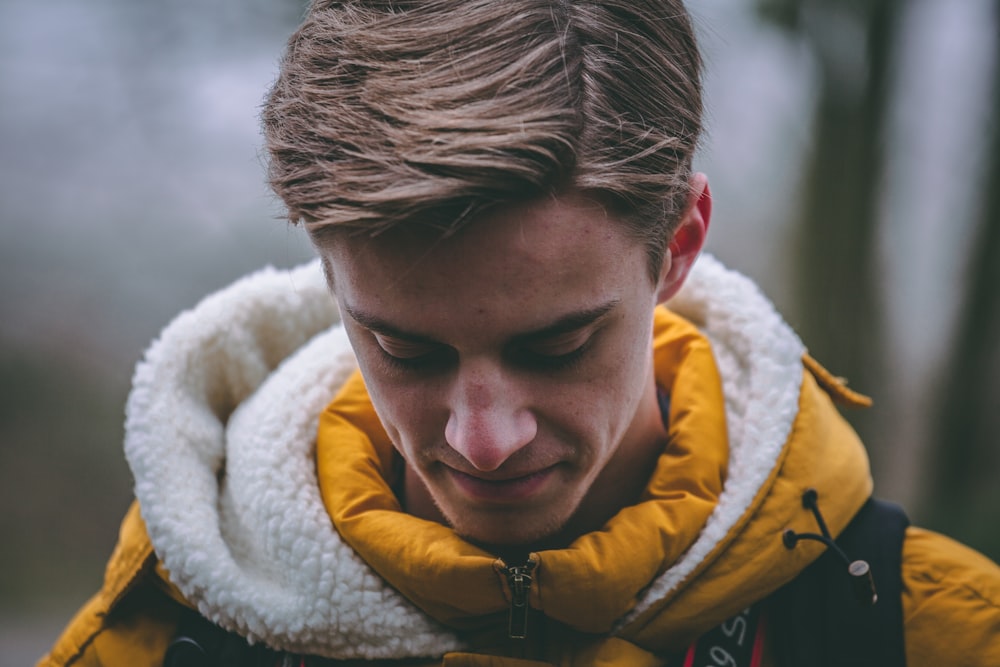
409 355
553 357
401 349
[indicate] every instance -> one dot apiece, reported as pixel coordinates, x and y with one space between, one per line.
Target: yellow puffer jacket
299 542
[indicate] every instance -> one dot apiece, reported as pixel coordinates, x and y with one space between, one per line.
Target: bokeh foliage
838 285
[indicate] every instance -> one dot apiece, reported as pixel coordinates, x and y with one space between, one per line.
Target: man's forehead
551 219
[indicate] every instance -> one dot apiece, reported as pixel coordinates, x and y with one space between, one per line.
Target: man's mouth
507 489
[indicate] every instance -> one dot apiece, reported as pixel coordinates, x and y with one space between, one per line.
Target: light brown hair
430 111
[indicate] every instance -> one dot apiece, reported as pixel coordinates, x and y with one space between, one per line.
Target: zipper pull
519 578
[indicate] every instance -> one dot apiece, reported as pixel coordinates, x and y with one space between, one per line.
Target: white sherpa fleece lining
220 436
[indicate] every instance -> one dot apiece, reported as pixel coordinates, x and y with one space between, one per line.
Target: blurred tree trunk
964 496
838 286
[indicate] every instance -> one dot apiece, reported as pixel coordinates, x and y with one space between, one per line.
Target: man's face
510 364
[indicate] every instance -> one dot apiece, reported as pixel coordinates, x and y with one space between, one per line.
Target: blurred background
853 148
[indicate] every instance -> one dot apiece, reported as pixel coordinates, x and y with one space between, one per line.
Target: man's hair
389 112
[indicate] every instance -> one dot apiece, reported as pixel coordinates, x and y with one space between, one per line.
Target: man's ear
688 239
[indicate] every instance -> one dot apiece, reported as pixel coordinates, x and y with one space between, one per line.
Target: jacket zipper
519 578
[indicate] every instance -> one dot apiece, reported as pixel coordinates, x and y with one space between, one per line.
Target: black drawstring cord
859 570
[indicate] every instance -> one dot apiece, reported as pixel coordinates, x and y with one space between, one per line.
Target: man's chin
511 535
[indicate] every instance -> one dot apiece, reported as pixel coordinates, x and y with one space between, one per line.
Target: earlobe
688 238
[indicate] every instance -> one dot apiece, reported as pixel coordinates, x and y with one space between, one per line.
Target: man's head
425 113
501 194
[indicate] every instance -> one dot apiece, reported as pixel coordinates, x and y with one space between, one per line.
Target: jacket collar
579 586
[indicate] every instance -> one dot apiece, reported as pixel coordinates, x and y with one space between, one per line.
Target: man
535 463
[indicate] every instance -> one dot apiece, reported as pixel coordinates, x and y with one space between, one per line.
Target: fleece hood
221 438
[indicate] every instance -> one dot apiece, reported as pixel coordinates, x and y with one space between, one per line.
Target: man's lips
509 488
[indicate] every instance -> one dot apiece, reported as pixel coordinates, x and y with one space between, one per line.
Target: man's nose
488 421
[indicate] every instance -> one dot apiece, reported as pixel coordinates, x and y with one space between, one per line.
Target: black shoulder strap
201 643
817 620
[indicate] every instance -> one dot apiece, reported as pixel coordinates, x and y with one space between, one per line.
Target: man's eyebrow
569 322
380 326
565 324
